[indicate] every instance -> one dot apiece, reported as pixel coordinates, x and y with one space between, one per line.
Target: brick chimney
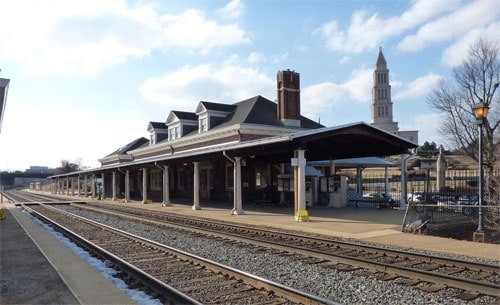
288 83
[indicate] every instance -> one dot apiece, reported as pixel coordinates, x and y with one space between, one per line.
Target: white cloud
455 54
320 98
77 133
83 37
359 86
426 126
324 97
183 89
369 31
419 87
468 17
256 57
233 9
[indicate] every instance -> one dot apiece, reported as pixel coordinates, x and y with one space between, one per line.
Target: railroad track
473 279
427 272
176 276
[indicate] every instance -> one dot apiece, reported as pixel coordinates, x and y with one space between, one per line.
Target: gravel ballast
342 287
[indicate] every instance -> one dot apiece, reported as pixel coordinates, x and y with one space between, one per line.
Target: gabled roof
157 126
130 146
209 106
181 115
261 111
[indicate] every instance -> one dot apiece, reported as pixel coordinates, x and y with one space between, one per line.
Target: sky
86 77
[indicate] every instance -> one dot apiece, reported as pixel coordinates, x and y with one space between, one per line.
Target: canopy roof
328 143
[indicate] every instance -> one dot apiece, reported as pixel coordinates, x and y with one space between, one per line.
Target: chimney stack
288 83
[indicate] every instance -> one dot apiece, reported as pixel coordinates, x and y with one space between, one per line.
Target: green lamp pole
480 111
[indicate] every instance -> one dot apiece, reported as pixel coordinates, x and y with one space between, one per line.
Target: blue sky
88 76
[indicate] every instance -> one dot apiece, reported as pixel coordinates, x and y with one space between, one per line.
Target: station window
156 180
174 133
261 177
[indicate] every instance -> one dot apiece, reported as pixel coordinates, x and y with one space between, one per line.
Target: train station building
252 151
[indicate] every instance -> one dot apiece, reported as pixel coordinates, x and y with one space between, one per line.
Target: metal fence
452 220
451 211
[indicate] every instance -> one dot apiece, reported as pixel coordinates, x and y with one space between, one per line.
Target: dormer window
212 114
181 123
174 133
157 132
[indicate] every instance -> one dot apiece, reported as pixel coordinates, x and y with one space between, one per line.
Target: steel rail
280 289
173 295
467 284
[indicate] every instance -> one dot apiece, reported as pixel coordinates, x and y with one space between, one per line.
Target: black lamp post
480 112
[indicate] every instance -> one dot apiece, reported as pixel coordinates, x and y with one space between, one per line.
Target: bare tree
68 167
475 81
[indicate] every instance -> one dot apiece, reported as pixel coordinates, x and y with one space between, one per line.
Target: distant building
382 106
40 170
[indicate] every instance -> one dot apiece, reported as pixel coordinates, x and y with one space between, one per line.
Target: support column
67 185
331 196
332 167
238 205
404 182
103 195
144 185
127 185
85 186
359 184
386 180
299 163
166 188
93 185
78 186
302 179
113 182
196 186
72 186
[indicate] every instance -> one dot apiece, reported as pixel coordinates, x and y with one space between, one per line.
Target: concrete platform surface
381 226
37 268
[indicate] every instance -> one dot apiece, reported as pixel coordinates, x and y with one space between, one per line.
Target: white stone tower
381 109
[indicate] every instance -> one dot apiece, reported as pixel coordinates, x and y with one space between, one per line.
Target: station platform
378 226
37 268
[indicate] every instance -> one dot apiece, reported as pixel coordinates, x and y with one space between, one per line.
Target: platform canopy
329 143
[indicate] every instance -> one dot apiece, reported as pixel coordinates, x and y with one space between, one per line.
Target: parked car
444 202
466 202
381 199
416 197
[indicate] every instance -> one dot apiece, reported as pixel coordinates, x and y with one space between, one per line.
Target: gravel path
342 287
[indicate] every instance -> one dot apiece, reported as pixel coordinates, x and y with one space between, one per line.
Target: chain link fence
451 211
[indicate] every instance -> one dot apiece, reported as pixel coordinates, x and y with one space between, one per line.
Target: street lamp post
480 111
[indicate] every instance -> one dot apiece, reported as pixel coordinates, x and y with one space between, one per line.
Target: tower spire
381 108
